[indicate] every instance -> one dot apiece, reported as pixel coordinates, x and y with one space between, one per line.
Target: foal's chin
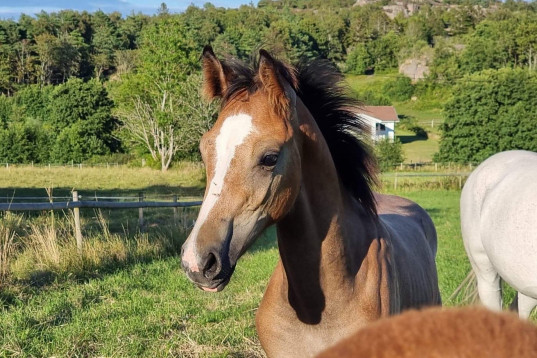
215 285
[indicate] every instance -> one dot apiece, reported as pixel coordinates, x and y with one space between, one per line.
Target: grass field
146 307
185 179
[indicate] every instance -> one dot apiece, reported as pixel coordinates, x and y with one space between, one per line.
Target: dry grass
47 248
45 243
8 244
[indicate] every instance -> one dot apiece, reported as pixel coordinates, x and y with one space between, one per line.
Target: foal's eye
269 160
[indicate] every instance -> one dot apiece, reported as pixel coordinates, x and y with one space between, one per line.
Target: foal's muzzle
214 273
212 268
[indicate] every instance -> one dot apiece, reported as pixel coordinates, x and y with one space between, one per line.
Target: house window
380 127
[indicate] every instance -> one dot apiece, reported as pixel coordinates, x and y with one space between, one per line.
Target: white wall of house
380 129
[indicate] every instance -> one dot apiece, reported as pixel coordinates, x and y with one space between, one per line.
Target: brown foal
288 149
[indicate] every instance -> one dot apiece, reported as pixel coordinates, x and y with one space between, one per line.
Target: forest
94 87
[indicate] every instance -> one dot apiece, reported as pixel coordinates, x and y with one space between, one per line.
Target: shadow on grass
410 138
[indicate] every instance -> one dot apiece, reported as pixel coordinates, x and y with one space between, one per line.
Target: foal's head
253 164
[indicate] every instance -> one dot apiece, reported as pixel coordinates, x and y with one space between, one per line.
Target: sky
12 9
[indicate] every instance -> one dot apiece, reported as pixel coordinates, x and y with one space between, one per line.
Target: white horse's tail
466 292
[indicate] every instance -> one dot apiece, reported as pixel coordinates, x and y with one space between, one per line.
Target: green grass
185 179
361 83
148 310
132 299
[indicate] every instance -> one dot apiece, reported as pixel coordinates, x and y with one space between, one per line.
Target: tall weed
8 243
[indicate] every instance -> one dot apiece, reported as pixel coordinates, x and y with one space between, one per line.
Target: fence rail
75 205
95 205
396 176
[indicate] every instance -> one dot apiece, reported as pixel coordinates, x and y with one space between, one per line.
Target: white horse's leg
488 285
525 305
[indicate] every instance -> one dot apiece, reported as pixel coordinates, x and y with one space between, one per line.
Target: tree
400 89
172 126
526 40
491 111
81 119
23 143
358 60
384 51
104 43
389 154
157 103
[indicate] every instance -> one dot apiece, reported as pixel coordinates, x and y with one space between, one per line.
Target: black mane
321 88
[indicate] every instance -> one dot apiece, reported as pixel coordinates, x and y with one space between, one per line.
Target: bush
76 143
80 114
388 153
24 143
358 60
399 90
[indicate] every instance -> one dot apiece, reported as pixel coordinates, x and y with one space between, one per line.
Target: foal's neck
315 238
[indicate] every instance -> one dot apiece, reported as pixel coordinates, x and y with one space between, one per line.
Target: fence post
141 212
78 230
175 211
395 182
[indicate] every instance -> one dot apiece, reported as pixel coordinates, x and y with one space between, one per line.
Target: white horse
499 227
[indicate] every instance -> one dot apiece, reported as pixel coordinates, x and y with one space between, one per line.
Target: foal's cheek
285 193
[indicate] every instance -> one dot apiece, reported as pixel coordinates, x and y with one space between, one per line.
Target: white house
381 120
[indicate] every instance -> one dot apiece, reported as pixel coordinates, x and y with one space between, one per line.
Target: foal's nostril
211 267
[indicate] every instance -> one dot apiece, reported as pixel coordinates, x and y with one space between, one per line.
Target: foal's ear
273 73
278 79
216 75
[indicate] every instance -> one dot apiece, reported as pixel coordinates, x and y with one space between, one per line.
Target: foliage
389 153
491 111
151 58
372 98
400 89
161 109
358 61
383 51
23 143
69 122
80 114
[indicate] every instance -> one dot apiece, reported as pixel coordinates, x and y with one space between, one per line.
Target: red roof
384 113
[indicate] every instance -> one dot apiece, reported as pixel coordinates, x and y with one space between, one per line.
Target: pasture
144 305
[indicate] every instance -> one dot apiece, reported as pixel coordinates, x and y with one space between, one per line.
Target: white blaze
235 129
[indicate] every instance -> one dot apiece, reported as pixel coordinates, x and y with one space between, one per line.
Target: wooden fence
396 176
76 204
